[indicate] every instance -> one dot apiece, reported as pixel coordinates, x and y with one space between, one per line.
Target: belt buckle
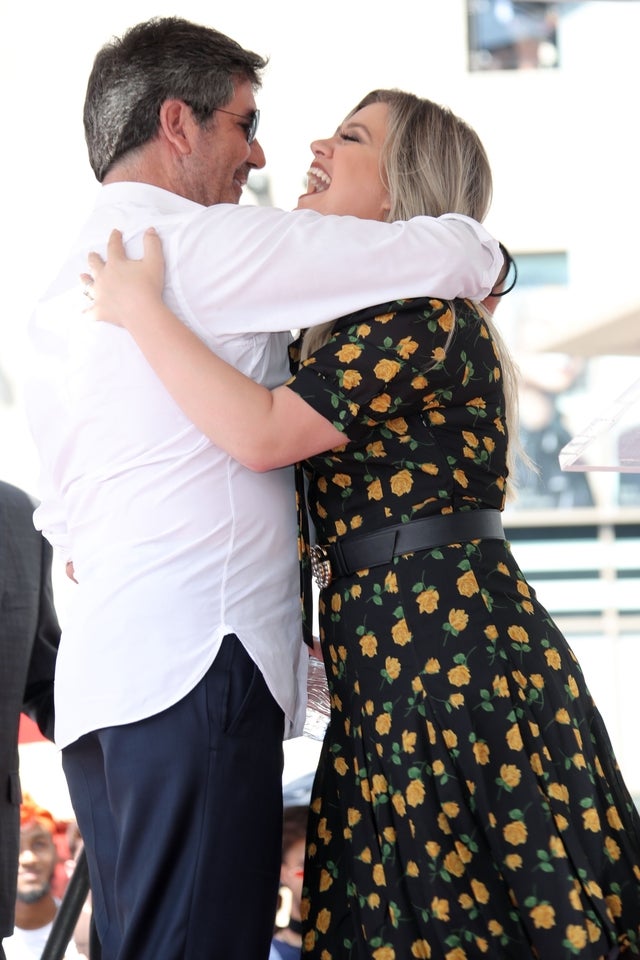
320 566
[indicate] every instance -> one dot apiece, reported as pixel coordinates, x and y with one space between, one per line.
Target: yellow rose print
510 775
421 950
409 741
342 480
351 380
591 820
515 833
559 792
349 352
453 864
378 784
398 425
518 634
460 477
428 600
481 752
401 633
392 667
386 370
401 483
467 584
459 676
369 645
480 891
384 953
445 321
374 490
383 724
577 936
458 619
613 819
381 403
391 584
440 908
553 659
415 793
450 738
543 916
514 738
612 848
407 347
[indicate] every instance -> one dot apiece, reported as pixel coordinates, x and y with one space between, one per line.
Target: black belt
345 556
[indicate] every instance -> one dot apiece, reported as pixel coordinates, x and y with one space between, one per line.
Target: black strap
306 589
372 549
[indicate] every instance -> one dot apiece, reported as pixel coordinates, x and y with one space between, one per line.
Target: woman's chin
309 201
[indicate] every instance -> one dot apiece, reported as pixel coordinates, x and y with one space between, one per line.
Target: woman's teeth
317 180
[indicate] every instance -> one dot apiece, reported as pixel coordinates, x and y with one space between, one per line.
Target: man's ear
177 125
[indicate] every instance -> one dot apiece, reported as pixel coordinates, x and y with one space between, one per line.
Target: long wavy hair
433 163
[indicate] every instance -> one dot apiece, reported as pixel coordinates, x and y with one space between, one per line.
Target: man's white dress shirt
175 544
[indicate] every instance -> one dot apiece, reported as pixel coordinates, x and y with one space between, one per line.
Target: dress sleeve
373 370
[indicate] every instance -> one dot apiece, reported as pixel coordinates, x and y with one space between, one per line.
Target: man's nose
257 158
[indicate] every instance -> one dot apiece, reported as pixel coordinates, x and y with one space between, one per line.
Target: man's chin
33 895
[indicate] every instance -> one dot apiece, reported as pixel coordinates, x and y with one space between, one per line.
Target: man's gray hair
163 58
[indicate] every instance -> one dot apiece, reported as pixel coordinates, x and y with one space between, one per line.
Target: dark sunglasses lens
253 126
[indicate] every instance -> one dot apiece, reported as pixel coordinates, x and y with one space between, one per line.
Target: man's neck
32 916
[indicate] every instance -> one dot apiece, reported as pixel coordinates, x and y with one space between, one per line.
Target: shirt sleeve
260 270
374 370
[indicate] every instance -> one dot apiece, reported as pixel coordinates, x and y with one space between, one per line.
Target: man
29 636
182 664
35 906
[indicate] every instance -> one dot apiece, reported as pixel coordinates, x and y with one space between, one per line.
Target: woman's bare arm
260 428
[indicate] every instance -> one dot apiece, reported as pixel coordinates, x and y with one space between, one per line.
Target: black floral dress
467 802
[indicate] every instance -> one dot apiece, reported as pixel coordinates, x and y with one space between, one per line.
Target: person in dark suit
29 637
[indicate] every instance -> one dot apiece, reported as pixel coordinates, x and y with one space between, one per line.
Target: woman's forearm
260 428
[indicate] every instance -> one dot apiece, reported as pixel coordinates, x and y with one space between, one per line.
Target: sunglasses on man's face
250 122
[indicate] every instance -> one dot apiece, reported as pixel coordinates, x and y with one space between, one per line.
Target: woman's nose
320 148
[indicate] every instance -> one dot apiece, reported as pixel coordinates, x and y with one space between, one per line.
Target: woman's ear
385 213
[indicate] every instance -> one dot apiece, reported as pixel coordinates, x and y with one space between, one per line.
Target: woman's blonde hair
432 163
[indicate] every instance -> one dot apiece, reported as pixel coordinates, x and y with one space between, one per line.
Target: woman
467 802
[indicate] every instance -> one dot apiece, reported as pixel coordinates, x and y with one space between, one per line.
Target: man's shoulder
15 498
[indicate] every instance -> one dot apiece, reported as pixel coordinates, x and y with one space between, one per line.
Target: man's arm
254 269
